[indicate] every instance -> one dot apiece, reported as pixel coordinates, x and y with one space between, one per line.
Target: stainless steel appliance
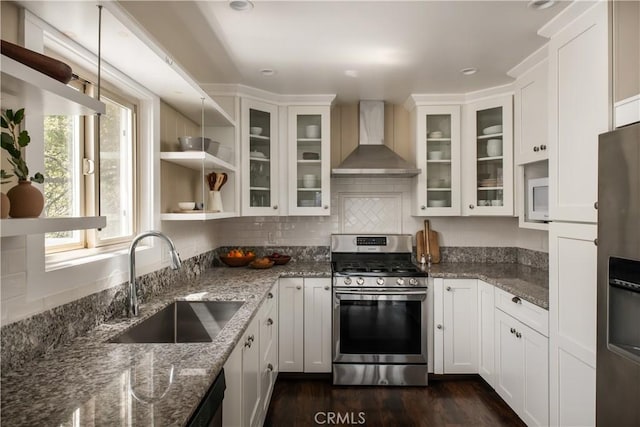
618 348
379 311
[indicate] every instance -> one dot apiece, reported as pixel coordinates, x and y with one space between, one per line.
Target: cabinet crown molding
564 18
215 89
418 99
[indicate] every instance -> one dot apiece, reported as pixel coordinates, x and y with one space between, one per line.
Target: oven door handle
381 293
395 296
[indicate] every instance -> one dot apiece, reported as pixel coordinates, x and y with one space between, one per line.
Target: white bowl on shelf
435 134
312 131
255 130
435 155
437 203
187 206
492 129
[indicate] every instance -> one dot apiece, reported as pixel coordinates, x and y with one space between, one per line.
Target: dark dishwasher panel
209 412
624 307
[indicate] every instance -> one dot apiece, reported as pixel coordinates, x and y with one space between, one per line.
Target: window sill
61 260
24 226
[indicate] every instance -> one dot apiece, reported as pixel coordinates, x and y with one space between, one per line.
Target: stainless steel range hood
372 158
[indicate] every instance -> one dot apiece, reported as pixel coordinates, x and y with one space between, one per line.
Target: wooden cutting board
430 246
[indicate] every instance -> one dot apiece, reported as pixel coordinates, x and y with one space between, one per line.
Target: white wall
300 231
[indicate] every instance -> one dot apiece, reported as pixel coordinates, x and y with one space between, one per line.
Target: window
87 173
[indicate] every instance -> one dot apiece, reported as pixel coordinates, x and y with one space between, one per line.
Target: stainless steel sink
182 322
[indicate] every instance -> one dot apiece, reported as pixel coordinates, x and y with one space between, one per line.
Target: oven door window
380 327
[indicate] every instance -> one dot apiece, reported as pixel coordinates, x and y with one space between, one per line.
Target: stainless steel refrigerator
618 348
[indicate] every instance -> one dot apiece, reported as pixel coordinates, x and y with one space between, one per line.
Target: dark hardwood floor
459 402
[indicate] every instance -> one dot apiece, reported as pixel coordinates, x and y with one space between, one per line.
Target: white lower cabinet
251 369
486 326
305 326
456 334
522 367
572 323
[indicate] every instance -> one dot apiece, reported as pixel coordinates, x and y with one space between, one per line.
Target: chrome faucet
175 264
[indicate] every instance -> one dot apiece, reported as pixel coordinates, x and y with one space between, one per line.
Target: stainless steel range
379 311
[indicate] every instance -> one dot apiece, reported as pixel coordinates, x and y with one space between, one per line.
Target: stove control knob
400 281
360 281
380 281
413 282
347 281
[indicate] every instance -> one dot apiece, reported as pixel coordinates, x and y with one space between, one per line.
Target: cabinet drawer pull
423 207
512 330
326 288
247 343
275 207
543 147
269 295
251 338
439 326
298 287
516 300
270 367
471 206
326 207
536 149
595 242
449 288
269 321
518 335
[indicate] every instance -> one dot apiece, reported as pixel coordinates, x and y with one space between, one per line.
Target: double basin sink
182 322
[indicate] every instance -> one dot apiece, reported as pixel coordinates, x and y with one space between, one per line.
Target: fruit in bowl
262 263
238 257
279 259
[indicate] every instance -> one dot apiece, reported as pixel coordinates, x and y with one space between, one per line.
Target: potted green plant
26 201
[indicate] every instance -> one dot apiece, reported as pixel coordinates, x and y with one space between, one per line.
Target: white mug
313 131
309 181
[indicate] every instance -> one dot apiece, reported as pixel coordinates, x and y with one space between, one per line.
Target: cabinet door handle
275 207
449 288
298 287
326 288
595 205
423 207
270 367
439 326
471 206
595 242
512 330
269 295
269 321
247 343
516 300
543 147
326 207
251 338
518 335
536 149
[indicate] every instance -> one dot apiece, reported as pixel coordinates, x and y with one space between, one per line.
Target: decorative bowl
261 265
280 260
195 143
187 206
237 261
492 129
255 130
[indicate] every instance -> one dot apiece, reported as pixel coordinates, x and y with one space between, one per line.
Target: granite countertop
530 284
92 382
97 383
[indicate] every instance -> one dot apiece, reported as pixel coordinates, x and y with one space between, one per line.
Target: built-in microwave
538 199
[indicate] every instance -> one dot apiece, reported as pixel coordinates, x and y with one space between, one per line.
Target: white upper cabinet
531 115
260 169
488 157
437 153
578 113
309 160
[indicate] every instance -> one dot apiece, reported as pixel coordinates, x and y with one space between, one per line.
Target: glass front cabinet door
437 188
309 160
490 161
259 158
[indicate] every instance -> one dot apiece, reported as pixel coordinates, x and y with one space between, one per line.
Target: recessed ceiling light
240 5
267 72
469 71
541 4
351 73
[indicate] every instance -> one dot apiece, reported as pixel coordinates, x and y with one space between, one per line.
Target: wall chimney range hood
372 158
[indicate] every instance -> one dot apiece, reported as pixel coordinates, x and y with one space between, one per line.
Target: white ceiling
396 47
